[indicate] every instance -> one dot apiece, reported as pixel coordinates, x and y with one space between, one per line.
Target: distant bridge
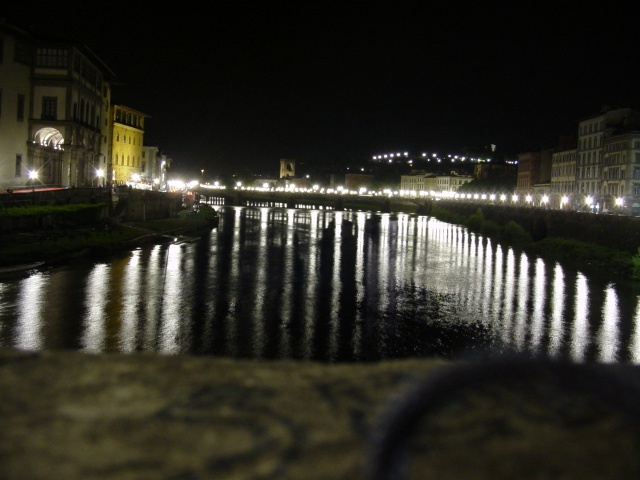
311 200
621 232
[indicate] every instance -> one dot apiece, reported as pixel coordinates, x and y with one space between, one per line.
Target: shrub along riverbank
571 252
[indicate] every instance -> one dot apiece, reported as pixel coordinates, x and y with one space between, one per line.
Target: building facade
15 104
447 183
127 142
621 171
533 168
55 95
154 166
58 126
416 183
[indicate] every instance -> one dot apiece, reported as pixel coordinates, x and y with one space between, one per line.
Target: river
332 286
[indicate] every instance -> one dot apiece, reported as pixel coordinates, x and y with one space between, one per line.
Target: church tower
287 168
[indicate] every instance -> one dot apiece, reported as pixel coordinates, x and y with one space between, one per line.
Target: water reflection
580 332
323 285
556 327
96 298
30 305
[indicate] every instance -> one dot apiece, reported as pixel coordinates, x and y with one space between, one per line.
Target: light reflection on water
323 285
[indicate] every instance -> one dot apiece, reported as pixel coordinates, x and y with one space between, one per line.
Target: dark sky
233 88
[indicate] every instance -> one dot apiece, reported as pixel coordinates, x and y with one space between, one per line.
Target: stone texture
69 415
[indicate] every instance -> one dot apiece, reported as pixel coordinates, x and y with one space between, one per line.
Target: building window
22 53
52 57
49 108
20 107
18 165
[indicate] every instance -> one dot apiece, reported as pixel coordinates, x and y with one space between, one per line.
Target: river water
331 286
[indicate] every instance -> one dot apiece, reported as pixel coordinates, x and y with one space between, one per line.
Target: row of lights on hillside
434 156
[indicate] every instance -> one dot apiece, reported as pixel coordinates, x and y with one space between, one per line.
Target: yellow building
127 142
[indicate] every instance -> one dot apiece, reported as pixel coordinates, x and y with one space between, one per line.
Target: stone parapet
145 416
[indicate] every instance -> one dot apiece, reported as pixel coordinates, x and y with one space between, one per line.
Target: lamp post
33 176
544 201
202 176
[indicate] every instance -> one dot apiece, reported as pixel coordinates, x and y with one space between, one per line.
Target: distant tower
287 168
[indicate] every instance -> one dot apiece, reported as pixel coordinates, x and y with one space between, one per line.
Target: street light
33 176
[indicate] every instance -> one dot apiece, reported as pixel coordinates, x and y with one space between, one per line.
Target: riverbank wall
618 232
113 206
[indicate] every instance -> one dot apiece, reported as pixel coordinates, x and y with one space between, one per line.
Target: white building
415 183
15 105
621 170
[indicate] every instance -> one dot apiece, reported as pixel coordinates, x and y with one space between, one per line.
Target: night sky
235 89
